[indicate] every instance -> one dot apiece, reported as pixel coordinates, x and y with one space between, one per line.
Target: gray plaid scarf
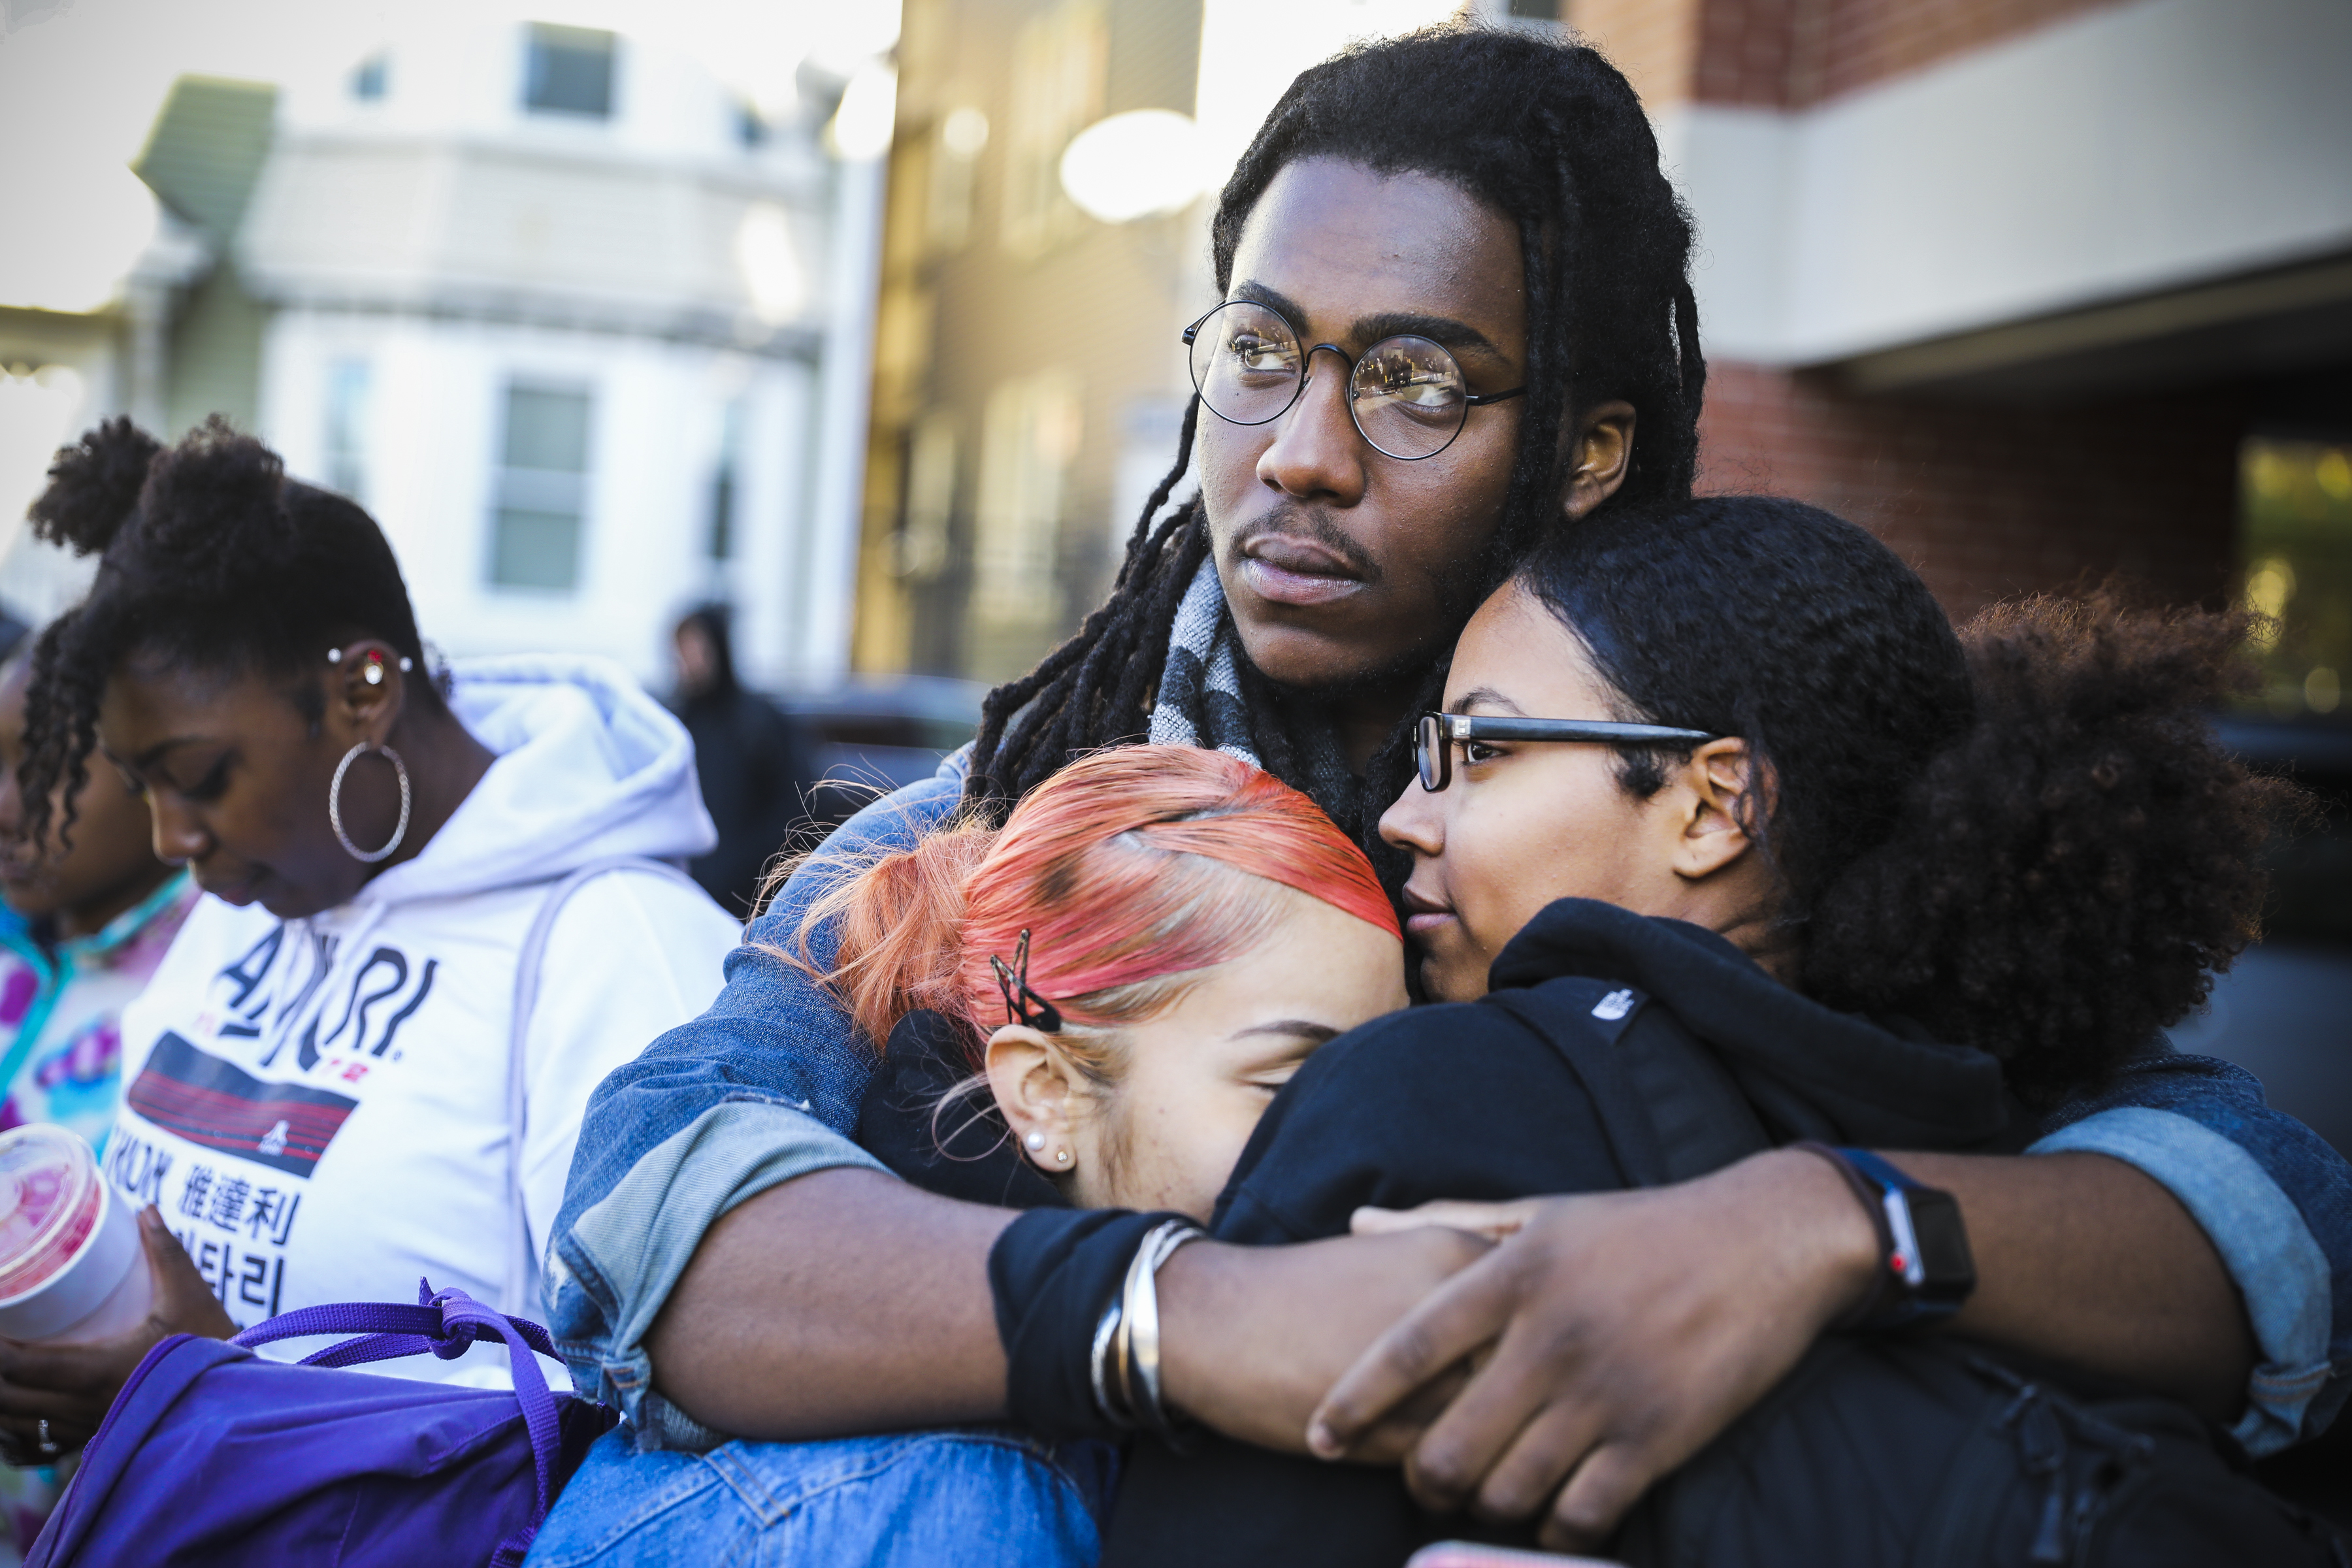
1207 698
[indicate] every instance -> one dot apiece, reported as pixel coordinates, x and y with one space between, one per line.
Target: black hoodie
1707 1058
1501 1098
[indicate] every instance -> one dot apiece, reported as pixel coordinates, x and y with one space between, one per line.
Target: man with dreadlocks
1454 316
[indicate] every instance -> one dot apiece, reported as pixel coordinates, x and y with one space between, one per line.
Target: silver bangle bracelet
1139 1330
1106 1335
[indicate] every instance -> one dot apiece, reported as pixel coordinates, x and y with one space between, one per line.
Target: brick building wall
1790 54
1988 501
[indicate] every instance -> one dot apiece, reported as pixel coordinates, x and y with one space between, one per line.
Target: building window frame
539 490
569 72
1030 433
349 402
1061 65
723 540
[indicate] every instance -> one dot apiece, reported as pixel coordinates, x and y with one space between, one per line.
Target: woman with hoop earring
438 910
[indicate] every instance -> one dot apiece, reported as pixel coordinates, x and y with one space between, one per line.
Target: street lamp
862 126
1142 164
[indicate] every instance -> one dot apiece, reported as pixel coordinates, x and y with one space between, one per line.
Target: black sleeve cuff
1054 1272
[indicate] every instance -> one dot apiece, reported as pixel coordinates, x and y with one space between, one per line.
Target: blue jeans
969 1497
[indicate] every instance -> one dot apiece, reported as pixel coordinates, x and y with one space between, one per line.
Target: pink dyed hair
1130 868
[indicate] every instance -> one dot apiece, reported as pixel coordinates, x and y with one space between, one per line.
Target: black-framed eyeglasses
1407 394
1435 736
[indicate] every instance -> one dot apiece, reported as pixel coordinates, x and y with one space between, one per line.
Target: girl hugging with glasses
1723 842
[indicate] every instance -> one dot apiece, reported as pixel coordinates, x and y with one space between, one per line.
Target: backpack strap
522 1292
1671 1108
1582 1021
387 1330
446 1323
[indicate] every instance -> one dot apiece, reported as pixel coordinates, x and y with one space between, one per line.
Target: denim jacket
766 1085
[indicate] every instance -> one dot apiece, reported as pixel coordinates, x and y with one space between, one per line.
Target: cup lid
48 1203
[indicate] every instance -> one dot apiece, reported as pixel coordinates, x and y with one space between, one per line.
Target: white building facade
558 310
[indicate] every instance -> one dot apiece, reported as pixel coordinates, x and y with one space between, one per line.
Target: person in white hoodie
438 912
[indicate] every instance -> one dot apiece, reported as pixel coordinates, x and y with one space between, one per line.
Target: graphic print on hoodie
318 1106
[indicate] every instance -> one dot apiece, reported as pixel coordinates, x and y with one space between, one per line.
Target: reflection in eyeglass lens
1431 753
1247 364
1407 394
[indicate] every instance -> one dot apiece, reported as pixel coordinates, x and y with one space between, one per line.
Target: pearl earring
1037 1141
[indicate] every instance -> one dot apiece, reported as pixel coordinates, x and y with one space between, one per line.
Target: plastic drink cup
71 1267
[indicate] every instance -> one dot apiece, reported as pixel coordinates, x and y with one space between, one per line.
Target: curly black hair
2021 837
1548 133
209 559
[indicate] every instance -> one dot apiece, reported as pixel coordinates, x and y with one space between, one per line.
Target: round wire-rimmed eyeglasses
1406 394
1435 736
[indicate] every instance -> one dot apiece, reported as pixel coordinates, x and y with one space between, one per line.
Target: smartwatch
1925 1269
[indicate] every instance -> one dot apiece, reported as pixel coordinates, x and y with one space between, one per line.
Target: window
1149 427
2295 539
1029 436
922 541
347 421
569 71
1059 62
367 80
2294 533
723 484
542 489
955 153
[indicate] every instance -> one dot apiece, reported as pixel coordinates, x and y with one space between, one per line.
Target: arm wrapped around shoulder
2068 874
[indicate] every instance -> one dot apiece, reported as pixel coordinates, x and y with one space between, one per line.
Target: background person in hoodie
317 1078
751 760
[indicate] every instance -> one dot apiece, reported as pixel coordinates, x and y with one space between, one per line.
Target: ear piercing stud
1037 1142
372 669
1061 1156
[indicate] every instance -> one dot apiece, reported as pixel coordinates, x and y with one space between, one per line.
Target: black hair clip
1012 979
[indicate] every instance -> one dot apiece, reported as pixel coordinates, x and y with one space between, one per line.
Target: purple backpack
213 1455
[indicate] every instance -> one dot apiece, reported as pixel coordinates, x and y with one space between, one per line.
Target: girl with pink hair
1201 926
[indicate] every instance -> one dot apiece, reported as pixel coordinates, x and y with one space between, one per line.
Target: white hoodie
319 1105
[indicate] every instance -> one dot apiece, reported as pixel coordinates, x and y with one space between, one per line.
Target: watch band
1910 1287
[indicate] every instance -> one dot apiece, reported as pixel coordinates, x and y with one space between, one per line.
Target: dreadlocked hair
209 559
1551 135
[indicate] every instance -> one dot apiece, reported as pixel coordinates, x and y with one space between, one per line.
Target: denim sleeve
2275 1200
764 1087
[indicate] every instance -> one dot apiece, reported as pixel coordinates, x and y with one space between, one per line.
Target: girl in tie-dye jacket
85 922
61 1008
89 914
